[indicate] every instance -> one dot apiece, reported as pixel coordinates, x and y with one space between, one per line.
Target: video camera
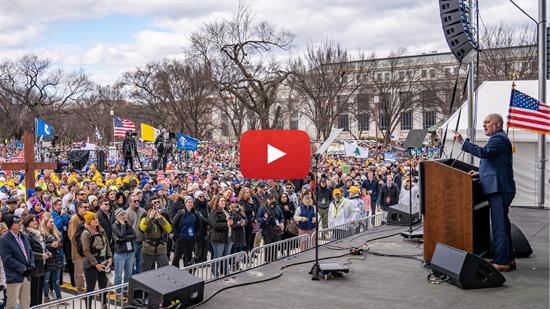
131 134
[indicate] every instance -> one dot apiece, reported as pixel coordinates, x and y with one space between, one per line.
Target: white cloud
382 26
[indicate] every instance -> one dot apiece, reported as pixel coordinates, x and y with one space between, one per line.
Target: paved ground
389 282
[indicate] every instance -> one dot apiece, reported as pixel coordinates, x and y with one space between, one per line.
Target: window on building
363 100
447 71
363 120
406 120
429 119
379 76
405 97
383 122
401 75
294 124
384 98
387 76
280 123
343 122
225 125
424 73
432 73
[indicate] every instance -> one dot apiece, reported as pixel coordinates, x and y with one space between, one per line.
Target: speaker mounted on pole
457 27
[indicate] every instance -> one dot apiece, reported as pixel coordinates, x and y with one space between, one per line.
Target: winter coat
55 262
220 230
123 236
38 247
238 236
94 246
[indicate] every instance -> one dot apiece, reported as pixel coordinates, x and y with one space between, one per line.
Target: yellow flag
149 133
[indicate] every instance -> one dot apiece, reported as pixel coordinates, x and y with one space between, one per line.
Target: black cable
534 20
442 148
267 279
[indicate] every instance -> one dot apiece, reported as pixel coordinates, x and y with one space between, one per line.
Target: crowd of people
91 224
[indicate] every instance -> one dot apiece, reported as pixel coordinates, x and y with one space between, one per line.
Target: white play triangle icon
274 154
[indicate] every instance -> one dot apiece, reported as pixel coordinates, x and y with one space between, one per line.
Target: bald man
497 180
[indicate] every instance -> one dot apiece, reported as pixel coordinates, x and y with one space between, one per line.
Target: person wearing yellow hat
341 210
354 196
97 253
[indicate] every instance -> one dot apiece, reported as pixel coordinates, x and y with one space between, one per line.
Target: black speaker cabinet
463 269
399 215
520 244
100 158
165 287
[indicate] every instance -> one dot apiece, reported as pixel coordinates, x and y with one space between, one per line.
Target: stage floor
390 282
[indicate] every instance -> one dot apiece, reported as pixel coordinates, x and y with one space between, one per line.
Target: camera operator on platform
163 143
129 150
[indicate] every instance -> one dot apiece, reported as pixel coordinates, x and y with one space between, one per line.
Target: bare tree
234 112
34 87
508 52
397 82
327 79
179 93
241 56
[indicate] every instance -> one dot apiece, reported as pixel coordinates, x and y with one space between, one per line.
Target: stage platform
390 282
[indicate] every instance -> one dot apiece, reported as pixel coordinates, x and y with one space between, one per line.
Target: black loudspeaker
100 157
463 269
165 287
520 244
457 27
399 215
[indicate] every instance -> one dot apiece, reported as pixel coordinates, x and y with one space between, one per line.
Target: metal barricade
220 267
112 298
116 296
278 250
342 231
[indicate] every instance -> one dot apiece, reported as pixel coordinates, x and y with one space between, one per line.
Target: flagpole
542 62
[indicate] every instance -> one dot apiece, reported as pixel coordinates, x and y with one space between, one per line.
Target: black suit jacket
13 258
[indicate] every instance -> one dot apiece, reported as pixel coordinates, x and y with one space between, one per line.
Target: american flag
528 113
123 125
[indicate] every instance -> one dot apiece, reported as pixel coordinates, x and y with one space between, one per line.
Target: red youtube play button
275 154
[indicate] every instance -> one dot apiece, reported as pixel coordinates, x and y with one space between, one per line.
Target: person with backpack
97 260
76 226
186 225
155 228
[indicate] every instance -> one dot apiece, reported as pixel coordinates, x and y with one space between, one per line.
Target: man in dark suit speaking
497 180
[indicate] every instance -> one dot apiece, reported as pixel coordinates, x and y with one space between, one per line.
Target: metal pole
542 97
471 133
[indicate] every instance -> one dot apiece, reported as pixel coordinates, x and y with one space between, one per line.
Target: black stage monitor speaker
399 215
463 269
520 244
165 287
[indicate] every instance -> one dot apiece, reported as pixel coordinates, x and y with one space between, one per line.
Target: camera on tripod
131 134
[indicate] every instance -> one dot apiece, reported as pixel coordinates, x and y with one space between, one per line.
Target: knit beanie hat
118 212
186 199
89 216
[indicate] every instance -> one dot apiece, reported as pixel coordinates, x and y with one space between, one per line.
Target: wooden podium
454 208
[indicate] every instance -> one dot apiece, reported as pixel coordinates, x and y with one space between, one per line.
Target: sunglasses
202 196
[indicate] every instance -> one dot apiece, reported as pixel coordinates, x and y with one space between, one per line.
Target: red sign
275 154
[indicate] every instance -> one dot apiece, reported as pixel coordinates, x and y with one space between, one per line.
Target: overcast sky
106 38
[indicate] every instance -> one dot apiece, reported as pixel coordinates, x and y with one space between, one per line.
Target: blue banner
390 156
43 128
186 142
